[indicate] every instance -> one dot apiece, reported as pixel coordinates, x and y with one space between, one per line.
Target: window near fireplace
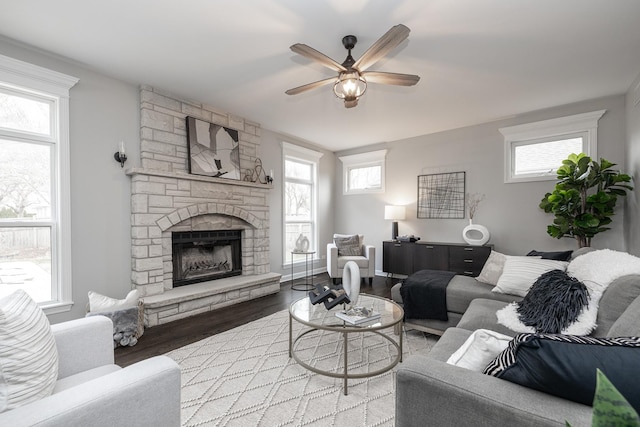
300 199
35 237
200 256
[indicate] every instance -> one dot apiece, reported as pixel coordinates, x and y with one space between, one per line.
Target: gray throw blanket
125 325
424 294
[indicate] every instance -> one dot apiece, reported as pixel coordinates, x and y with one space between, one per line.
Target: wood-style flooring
164 338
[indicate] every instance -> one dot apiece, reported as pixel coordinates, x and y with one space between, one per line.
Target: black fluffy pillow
554 302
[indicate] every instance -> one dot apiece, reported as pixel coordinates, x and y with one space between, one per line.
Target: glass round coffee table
318 318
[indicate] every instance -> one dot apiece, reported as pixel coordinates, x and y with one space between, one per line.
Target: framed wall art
213 150
441 195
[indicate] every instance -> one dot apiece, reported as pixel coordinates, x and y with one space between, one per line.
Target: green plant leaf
610 408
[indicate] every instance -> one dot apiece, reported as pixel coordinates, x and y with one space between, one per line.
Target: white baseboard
300 274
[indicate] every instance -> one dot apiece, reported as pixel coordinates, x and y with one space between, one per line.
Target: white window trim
371 158
585 124
28 77
305 154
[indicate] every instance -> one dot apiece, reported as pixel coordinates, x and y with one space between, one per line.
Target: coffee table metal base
345 375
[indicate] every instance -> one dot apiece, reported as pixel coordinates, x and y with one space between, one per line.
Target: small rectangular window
365 178
364 173
540 158
534 151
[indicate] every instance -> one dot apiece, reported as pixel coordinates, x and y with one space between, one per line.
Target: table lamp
394 213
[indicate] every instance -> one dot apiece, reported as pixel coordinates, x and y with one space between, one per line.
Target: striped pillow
520 273
28 353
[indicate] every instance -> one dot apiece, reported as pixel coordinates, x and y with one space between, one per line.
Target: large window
363 173
34 183
534 151
300 200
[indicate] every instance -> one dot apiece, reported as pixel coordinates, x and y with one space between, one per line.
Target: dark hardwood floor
164 338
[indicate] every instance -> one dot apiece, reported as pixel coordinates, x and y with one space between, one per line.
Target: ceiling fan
351 82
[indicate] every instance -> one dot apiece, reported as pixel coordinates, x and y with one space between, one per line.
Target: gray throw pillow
348 246
628 324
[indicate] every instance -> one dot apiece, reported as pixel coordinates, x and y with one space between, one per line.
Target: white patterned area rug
244 377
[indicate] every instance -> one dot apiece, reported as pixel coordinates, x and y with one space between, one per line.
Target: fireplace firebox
199 256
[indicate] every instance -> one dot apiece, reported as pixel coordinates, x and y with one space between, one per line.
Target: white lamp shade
394 212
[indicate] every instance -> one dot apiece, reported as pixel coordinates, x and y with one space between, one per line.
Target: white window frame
44 83
297 153
363 160
583 125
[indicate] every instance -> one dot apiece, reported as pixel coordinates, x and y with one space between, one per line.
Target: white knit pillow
99 303
519 273
28 353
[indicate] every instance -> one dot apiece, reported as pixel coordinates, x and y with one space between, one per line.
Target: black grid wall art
441 195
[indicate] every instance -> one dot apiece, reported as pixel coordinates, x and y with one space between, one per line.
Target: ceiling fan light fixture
350 86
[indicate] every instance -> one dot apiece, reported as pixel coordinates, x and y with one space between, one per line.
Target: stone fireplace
221 218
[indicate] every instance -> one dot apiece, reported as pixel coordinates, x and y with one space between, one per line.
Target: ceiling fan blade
391 78
311 53
309 86
384 45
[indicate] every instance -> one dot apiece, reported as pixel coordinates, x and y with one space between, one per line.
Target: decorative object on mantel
213 150
120 155
475 234
584 198
258 174
302 244
441 195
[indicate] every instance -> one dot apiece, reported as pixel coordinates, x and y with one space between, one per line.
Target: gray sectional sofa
430 392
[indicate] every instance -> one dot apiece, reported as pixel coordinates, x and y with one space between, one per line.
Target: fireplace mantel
191 177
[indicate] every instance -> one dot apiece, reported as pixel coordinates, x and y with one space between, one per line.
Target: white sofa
92 391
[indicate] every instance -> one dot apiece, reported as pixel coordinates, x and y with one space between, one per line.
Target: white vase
475 234
351 281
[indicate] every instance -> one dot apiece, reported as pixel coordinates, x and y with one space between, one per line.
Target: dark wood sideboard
406 258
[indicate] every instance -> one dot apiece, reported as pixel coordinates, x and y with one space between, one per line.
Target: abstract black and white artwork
213 150
441 195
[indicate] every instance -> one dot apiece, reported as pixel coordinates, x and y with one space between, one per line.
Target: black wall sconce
120 155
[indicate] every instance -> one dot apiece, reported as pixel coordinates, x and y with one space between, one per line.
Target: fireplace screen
200 256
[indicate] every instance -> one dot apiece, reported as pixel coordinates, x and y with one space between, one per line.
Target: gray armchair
92 391
365 260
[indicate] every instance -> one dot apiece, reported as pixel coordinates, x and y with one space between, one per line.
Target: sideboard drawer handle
469 273
397 244
468 249
429 247
468 260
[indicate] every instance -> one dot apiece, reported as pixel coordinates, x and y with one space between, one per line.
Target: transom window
534 151
35 235
364 173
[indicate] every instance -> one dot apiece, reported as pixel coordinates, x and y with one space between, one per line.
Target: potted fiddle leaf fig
584 198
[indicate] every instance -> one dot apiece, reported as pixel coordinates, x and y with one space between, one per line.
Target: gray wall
632 207
103 111
510 211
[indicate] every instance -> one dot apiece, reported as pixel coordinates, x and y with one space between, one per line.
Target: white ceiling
478 60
